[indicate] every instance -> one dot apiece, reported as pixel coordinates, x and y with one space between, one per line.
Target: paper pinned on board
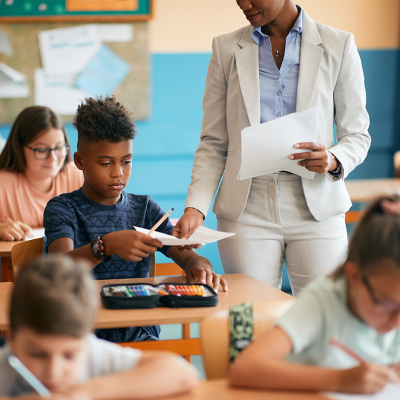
266 147
57 92
201 235
68 50
391 391
13 84
103 74
5 45
116 32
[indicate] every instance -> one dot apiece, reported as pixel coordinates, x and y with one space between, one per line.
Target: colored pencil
348 351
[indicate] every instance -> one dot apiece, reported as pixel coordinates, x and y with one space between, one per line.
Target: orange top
21 202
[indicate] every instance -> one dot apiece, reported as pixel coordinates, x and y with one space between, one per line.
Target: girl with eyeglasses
35 166
343 332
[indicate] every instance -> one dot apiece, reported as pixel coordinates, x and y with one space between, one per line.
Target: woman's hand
188 223
130 245
366 378
14 230
318 160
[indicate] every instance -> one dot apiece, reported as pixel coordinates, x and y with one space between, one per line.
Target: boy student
52 312
96 222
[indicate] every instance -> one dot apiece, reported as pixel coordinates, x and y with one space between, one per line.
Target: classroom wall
180 47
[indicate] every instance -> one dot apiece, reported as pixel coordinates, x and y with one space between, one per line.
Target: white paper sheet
201 235
36 234
68 50
116 32
5 45
13 84
390 392
266 147
57 92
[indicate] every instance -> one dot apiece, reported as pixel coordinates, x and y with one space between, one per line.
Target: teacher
283 62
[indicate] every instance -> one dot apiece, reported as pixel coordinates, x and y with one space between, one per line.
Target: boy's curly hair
103 119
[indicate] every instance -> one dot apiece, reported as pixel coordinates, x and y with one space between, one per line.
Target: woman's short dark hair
31 123
376 237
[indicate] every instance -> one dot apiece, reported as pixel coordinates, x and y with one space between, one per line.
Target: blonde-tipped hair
54 295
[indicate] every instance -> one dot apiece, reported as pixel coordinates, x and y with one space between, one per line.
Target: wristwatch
97 249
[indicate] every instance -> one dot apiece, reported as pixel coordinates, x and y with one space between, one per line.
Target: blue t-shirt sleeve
153 215
59 220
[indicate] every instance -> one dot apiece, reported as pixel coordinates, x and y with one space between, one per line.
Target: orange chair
24 252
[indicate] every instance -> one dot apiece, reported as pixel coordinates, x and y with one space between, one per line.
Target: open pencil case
169 294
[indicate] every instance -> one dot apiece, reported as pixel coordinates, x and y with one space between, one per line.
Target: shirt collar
297 27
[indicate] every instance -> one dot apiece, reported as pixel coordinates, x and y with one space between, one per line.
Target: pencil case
145 295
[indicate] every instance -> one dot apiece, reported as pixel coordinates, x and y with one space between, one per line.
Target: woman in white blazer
282 62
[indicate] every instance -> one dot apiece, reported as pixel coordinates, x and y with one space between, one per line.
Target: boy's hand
14 230
366 378
200 271
130 245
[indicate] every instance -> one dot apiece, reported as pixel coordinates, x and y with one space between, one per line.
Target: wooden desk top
370 189
5 247
242 288
5 294
219 389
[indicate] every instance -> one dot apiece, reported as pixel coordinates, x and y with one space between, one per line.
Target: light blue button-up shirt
278 88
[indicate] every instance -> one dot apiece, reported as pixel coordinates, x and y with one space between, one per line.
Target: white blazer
330 78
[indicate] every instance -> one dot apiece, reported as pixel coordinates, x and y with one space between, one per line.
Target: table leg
186 335
5 266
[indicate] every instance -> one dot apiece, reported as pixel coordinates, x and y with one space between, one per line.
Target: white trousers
275 226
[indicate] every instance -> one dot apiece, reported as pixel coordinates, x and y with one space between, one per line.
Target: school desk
242 288
367 190
219 389
370 189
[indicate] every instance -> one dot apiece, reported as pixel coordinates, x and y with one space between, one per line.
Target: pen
28 376
348 351
160 222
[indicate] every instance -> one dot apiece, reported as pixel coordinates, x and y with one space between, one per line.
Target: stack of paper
266 147
201 235
390 392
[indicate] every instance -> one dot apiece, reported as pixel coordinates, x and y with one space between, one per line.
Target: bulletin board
133 91
16 11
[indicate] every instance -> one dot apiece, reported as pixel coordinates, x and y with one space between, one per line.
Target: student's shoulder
141 200
71 172
106 358
8 178
65 200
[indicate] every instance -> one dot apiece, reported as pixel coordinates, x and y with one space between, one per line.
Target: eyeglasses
43 153
382 306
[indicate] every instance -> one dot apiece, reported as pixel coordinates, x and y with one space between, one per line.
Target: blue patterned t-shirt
75 216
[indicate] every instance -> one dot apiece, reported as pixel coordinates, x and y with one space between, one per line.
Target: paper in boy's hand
201 235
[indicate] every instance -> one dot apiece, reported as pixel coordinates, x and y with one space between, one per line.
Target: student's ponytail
377 236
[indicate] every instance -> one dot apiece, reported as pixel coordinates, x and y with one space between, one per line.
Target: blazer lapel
310 60
247 68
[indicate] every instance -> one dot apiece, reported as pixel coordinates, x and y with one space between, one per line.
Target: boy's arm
262 365
197 268
129 245
158 374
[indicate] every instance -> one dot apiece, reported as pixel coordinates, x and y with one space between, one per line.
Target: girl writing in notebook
35 166
343 332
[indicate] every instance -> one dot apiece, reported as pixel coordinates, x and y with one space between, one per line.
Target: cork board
133 91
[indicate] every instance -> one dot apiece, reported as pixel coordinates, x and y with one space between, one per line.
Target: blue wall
165 144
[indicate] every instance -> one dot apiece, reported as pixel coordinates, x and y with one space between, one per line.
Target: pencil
348 351
160 222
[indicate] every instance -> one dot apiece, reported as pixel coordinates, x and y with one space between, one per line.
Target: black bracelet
97 249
